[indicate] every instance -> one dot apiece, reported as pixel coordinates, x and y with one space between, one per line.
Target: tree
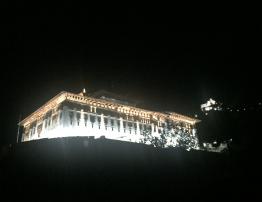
171 137
148 138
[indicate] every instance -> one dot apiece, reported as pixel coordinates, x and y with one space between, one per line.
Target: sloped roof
102 103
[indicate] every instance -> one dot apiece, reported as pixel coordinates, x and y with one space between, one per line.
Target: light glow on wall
126 123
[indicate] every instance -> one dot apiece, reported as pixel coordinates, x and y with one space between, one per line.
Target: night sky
169 62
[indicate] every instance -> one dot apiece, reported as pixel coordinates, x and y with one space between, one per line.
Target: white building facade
69 114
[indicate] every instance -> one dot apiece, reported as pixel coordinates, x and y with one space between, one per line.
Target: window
106 122
54 119
71 118
39 129
124 126
33 130
85 117
118 125
78 118
92 119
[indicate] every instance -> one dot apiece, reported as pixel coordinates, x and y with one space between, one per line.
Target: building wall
70 119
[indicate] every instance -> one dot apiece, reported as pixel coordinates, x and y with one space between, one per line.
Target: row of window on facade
92 118
108 121
111 124
75 108
47 122
95 118
52 120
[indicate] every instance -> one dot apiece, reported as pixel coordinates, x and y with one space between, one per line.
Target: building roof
104 104
106 95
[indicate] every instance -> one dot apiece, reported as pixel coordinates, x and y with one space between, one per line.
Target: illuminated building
69 114
211 105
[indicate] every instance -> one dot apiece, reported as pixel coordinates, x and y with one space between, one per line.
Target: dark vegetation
85 168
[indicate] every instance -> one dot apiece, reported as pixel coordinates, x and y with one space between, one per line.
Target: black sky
166 60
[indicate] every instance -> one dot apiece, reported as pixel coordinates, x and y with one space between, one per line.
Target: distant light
210 105
259 103
196 115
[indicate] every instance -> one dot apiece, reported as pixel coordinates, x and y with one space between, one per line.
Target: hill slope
81 168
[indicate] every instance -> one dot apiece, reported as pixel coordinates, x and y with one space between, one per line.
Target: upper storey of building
106 103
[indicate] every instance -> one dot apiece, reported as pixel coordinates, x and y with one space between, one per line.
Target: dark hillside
81 168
